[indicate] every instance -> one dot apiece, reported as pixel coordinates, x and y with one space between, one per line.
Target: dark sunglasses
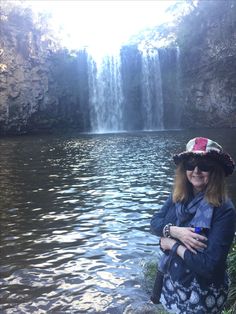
203 165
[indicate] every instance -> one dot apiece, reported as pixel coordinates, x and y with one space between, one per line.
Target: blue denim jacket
208 266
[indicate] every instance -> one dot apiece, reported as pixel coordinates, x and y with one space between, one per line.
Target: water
105 94
75 214
152 99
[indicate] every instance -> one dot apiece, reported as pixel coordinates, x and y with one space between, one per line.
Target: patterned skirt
192 299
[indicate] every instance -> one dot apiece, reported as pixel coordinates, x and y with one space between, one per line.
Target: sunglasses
203 165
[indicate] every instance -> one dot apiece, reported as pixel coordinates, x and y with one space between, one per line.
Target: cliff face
207 39
43 87
38 81
24 75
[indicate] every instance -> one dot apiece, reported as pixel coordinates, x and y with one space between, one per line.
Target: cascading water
171 86
105 94
178 88
152 99
137 88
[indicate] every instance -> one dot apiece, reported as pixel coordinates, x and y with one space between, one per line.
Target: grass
231 303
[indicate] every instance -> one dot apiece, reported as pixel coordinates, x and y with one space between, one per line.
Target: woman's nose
196 169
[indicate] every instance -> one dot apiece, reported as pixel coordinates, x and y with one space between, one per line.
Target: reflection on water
75 214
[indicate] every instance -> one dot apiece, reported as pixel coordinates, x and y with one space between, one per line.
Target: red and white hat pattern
202 146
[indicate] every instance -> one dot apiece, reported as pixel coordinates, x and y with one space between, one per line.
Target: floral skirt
192 299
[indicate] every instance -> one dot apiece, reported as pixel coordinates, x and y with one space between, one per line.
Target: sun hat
201 146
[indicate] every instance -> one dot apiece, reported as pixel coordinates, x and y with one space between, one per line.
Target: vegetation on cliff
218 17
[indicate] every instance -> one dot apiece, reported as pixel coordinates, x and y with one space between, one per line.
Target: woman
196 227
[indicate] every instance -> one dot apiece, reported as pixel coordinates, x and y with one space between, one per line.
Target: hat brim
224 159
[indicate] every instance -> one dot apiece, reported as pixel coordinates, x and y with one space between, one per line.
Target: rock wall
207 39
24 76
38 80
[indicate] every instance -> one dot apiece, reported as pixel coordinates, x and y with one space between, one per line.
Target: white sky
102 24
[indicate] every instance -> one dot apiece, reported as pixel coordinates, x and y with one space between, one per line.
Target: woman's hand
191 240
166 243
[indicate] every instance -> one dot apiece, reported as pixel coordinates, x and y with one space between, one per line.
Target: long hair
215 193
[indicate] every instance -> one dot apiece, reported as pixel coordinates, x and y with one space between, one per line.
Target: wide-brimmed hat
201 146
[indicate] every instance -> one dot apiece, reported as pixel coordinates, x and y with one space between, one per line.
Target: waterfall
171 86
105 94
136 88
152 98
178 89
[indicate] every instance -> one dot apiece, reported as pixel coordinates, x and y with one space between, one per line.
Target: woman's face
198 172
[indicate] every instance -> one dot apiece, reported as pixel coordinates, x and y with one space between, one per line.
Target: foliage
149 273
149 269
19 16
216 16
232 272
164 35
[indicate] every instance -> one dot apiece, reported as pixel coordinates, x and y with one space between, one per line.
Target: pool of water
75 214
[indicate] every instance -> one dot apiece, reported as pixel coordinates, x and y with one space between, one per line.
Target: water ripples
75 220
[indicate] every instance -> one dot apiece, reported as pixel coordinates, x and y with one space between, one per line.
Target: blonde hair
216 191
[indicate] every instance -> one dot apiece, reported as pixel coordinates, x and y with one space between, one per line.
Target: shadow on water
75 213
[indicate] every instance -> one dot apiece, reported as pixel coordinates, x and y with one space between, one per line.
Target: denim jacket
209 265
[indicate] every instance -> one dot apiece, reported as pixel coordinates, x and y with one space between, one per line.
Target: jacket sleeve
220 238
164 216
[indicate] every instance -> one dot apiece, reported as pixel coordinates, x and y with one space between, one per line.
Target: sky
102 25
